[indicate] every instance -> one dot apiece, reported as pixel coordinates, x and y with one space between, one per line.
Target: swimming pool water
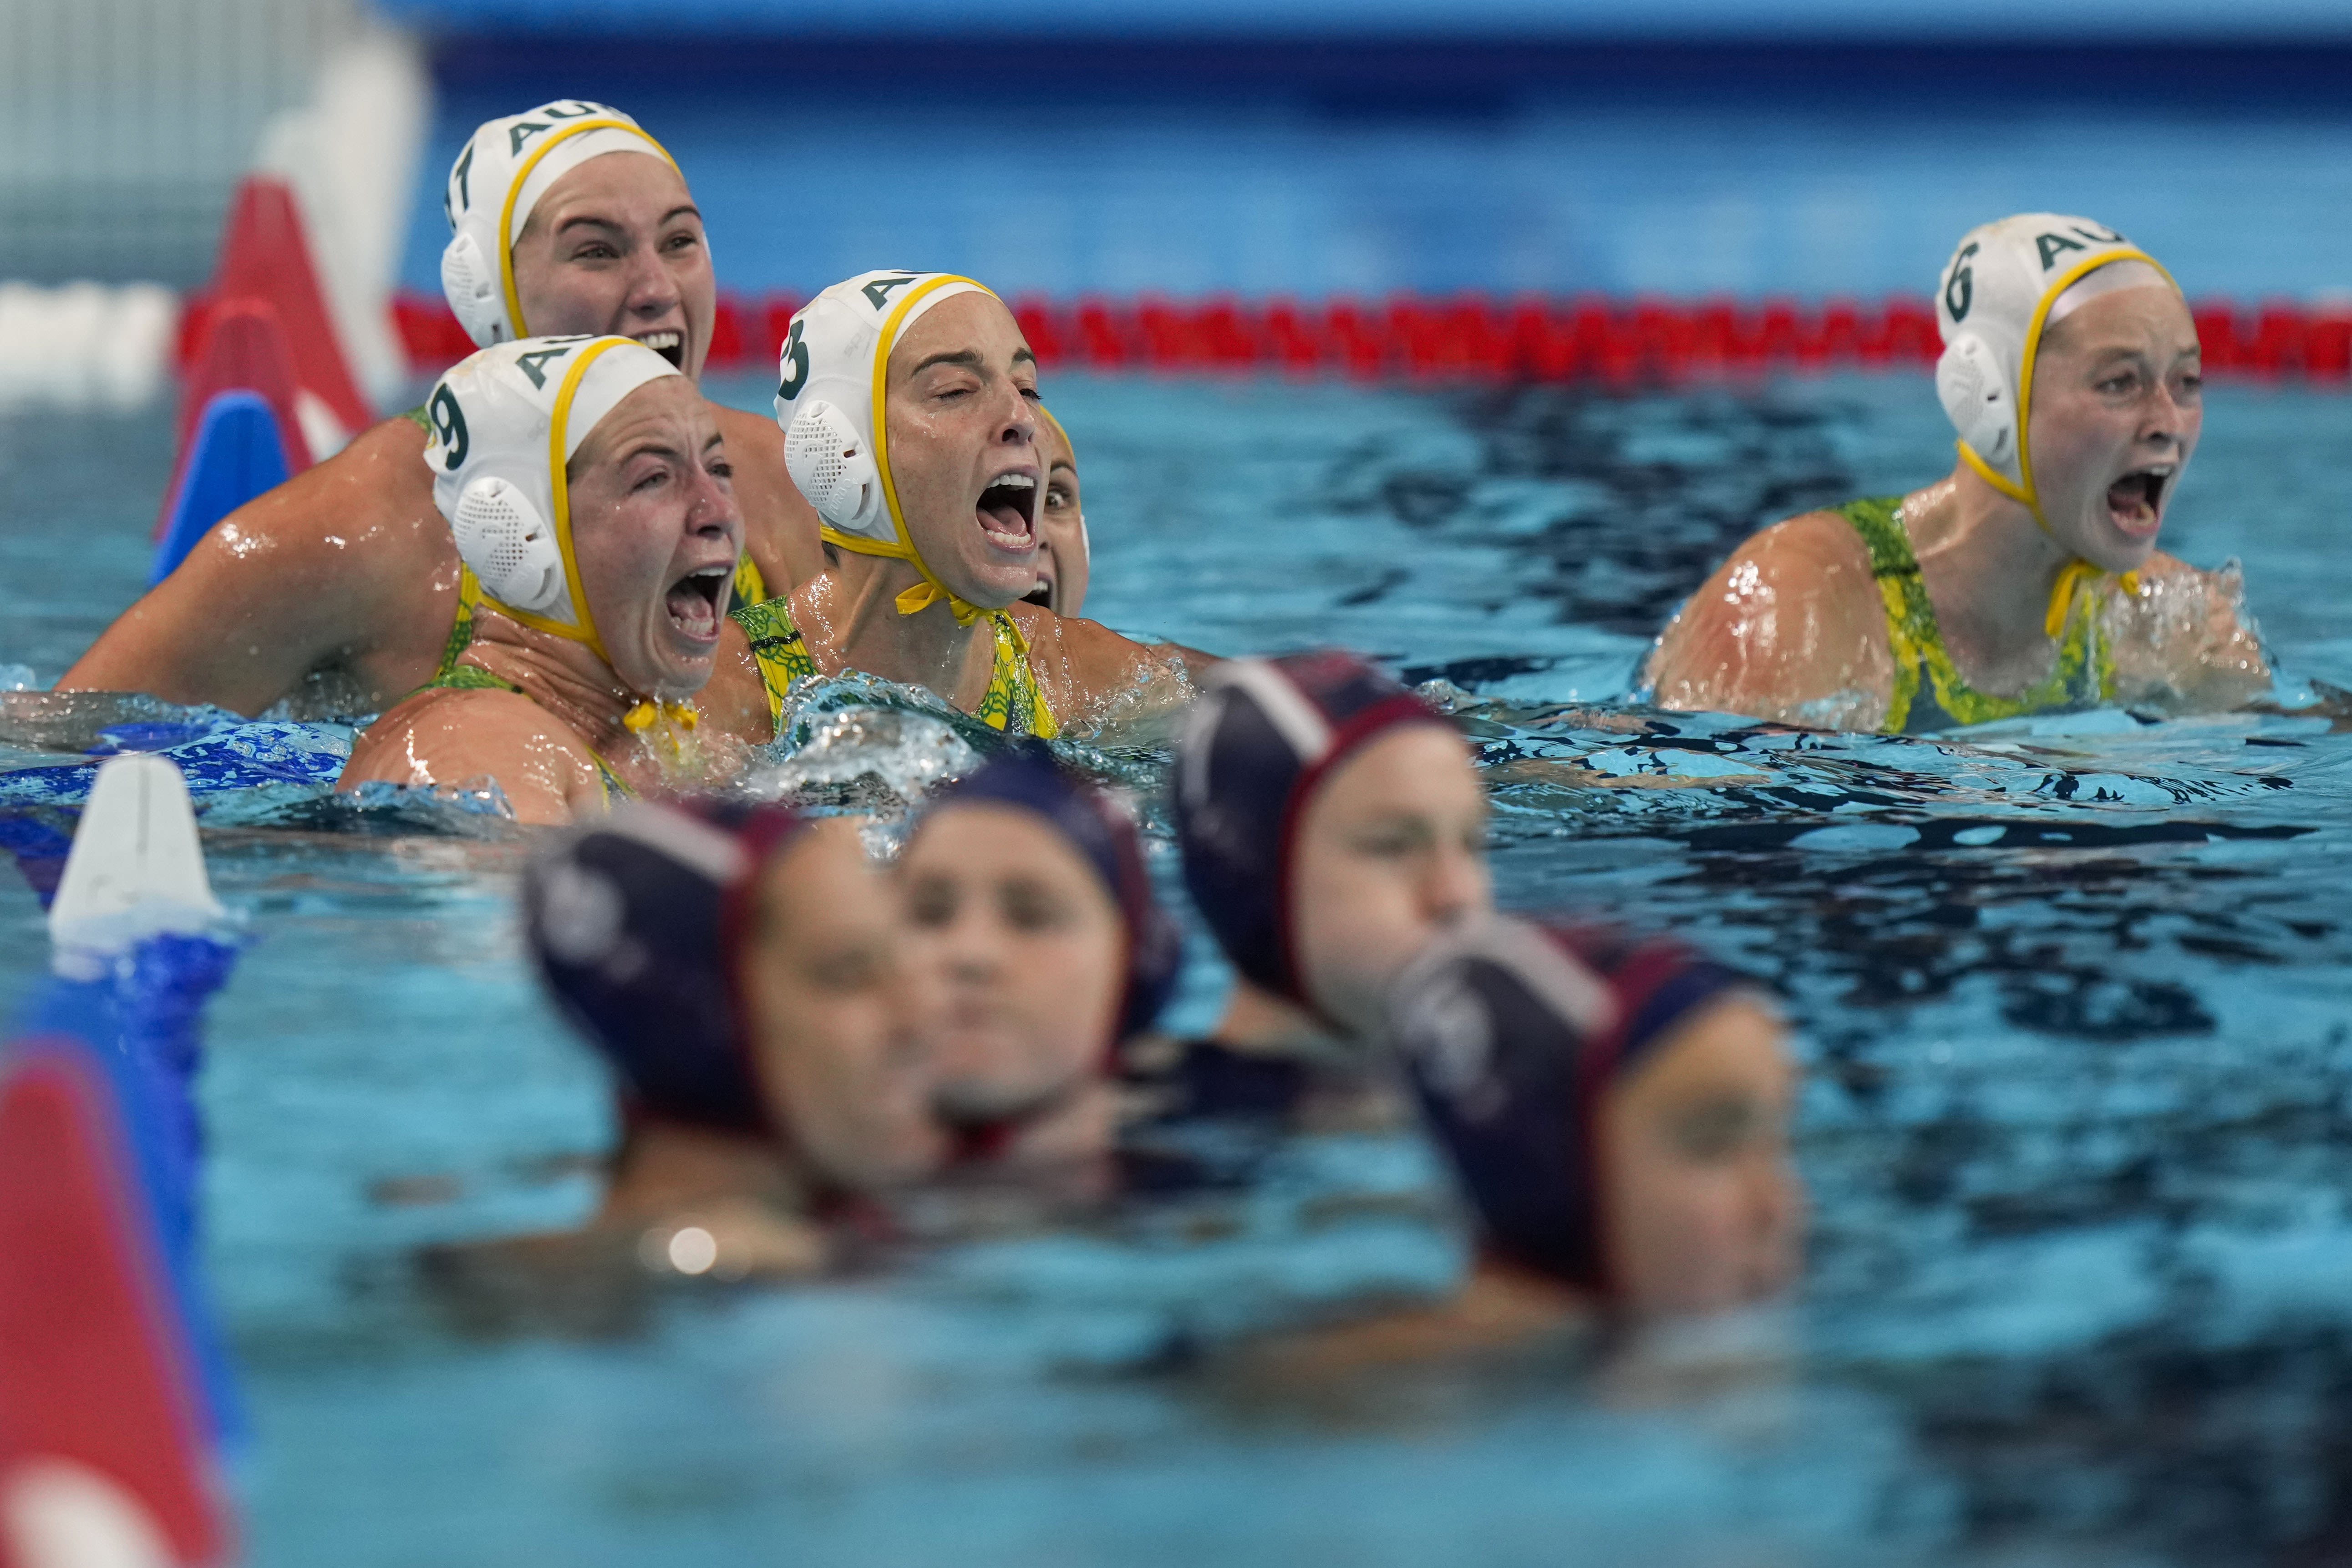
2072 994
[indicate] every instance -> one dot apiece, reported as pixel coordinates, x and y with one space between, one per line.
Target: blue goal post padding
237 456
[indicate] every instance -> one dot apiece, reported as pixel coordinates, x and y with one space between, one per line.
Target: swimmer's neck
848 615
665 1166
1258 1020
1988 565
564 677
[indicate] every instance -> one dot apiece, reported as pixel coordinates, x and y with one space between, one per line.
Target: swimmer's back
344 574
1791 627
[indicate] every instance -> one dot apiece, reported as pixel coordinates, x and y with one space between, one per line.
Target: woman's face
616 246
1017 955
2116 412
963 424
1392 848
1701 1208
656 533
1062 554
837 1055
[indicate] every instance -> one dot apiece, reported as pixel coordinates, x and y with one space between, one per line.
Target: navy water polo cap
635 924
1100 828
1263 737
1510 1033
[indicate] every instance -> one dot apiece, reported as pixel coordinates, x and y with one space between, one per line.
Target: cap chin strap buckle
510 547
1975 394
471 285
833 463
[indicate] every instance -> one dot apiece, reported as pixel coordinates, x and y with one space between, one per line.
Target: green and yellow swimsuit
1012 702
2085 676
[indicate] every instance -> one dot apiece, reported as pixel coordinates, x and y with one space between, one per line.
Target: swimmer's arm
1101 686
780 527
2184 643
1788 629
463 737
346 564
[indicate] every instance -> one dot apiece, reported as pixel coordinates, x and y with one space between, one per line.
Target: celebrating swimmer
735 968
1064 554
569 219
2027 580
909 407
1035 948
588 489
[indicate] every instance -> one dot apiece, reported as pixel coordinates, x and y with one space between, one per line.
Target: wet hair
637 923
1263 739
1027 774
1510 1035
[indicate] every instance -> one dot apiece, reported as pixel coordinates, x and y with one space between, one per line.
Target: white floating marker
136 869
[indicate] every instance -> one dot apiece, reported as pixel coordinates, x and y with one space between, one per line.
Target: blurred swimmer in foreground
1615 1112
910 406
569 219
1035 947
2028 579
736 967
587 486
1331 824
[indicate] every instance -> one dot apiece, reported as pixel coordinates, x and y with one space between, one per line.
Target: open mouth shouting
1007 512
2135 502
669 343
696 601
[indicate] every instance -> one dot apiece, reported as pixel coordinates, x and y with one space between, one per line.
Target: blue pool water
2072 994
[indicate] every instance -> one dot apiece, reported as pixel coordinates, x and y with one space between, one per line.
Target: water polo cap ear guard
833 374
500 176
1505 1038
627 920
505 421
1992 307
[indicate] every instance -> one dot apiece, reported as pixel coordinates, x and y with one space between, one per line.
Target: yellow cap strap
2061 592
923 595
514 193
931 590
560 489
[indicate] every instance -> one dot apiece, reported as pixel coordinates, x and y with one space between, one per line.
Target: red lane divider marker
1475 337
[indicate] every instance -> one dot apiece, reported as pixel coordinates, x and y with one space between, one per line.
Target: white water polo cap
505 421
494 184
2005 285
831 373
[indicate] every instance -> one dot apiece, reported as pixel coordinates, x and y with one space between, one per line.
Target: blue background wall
1297 146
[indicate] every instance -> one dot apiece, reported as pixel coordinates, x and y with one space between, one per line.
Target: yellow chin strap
2061 592
931 590
514 194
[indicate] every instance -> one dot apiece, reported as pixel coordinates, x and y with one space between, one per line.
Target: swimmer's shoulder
1792 618
450 736
1095 680
780 527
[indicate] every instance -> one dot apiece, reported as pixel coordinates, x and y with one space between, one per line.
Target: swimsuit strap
1012 685
751 587
778 649
2085 671
783 658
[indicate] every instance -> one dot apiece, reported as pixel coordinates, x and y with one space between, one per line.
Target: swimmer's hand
2184 643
